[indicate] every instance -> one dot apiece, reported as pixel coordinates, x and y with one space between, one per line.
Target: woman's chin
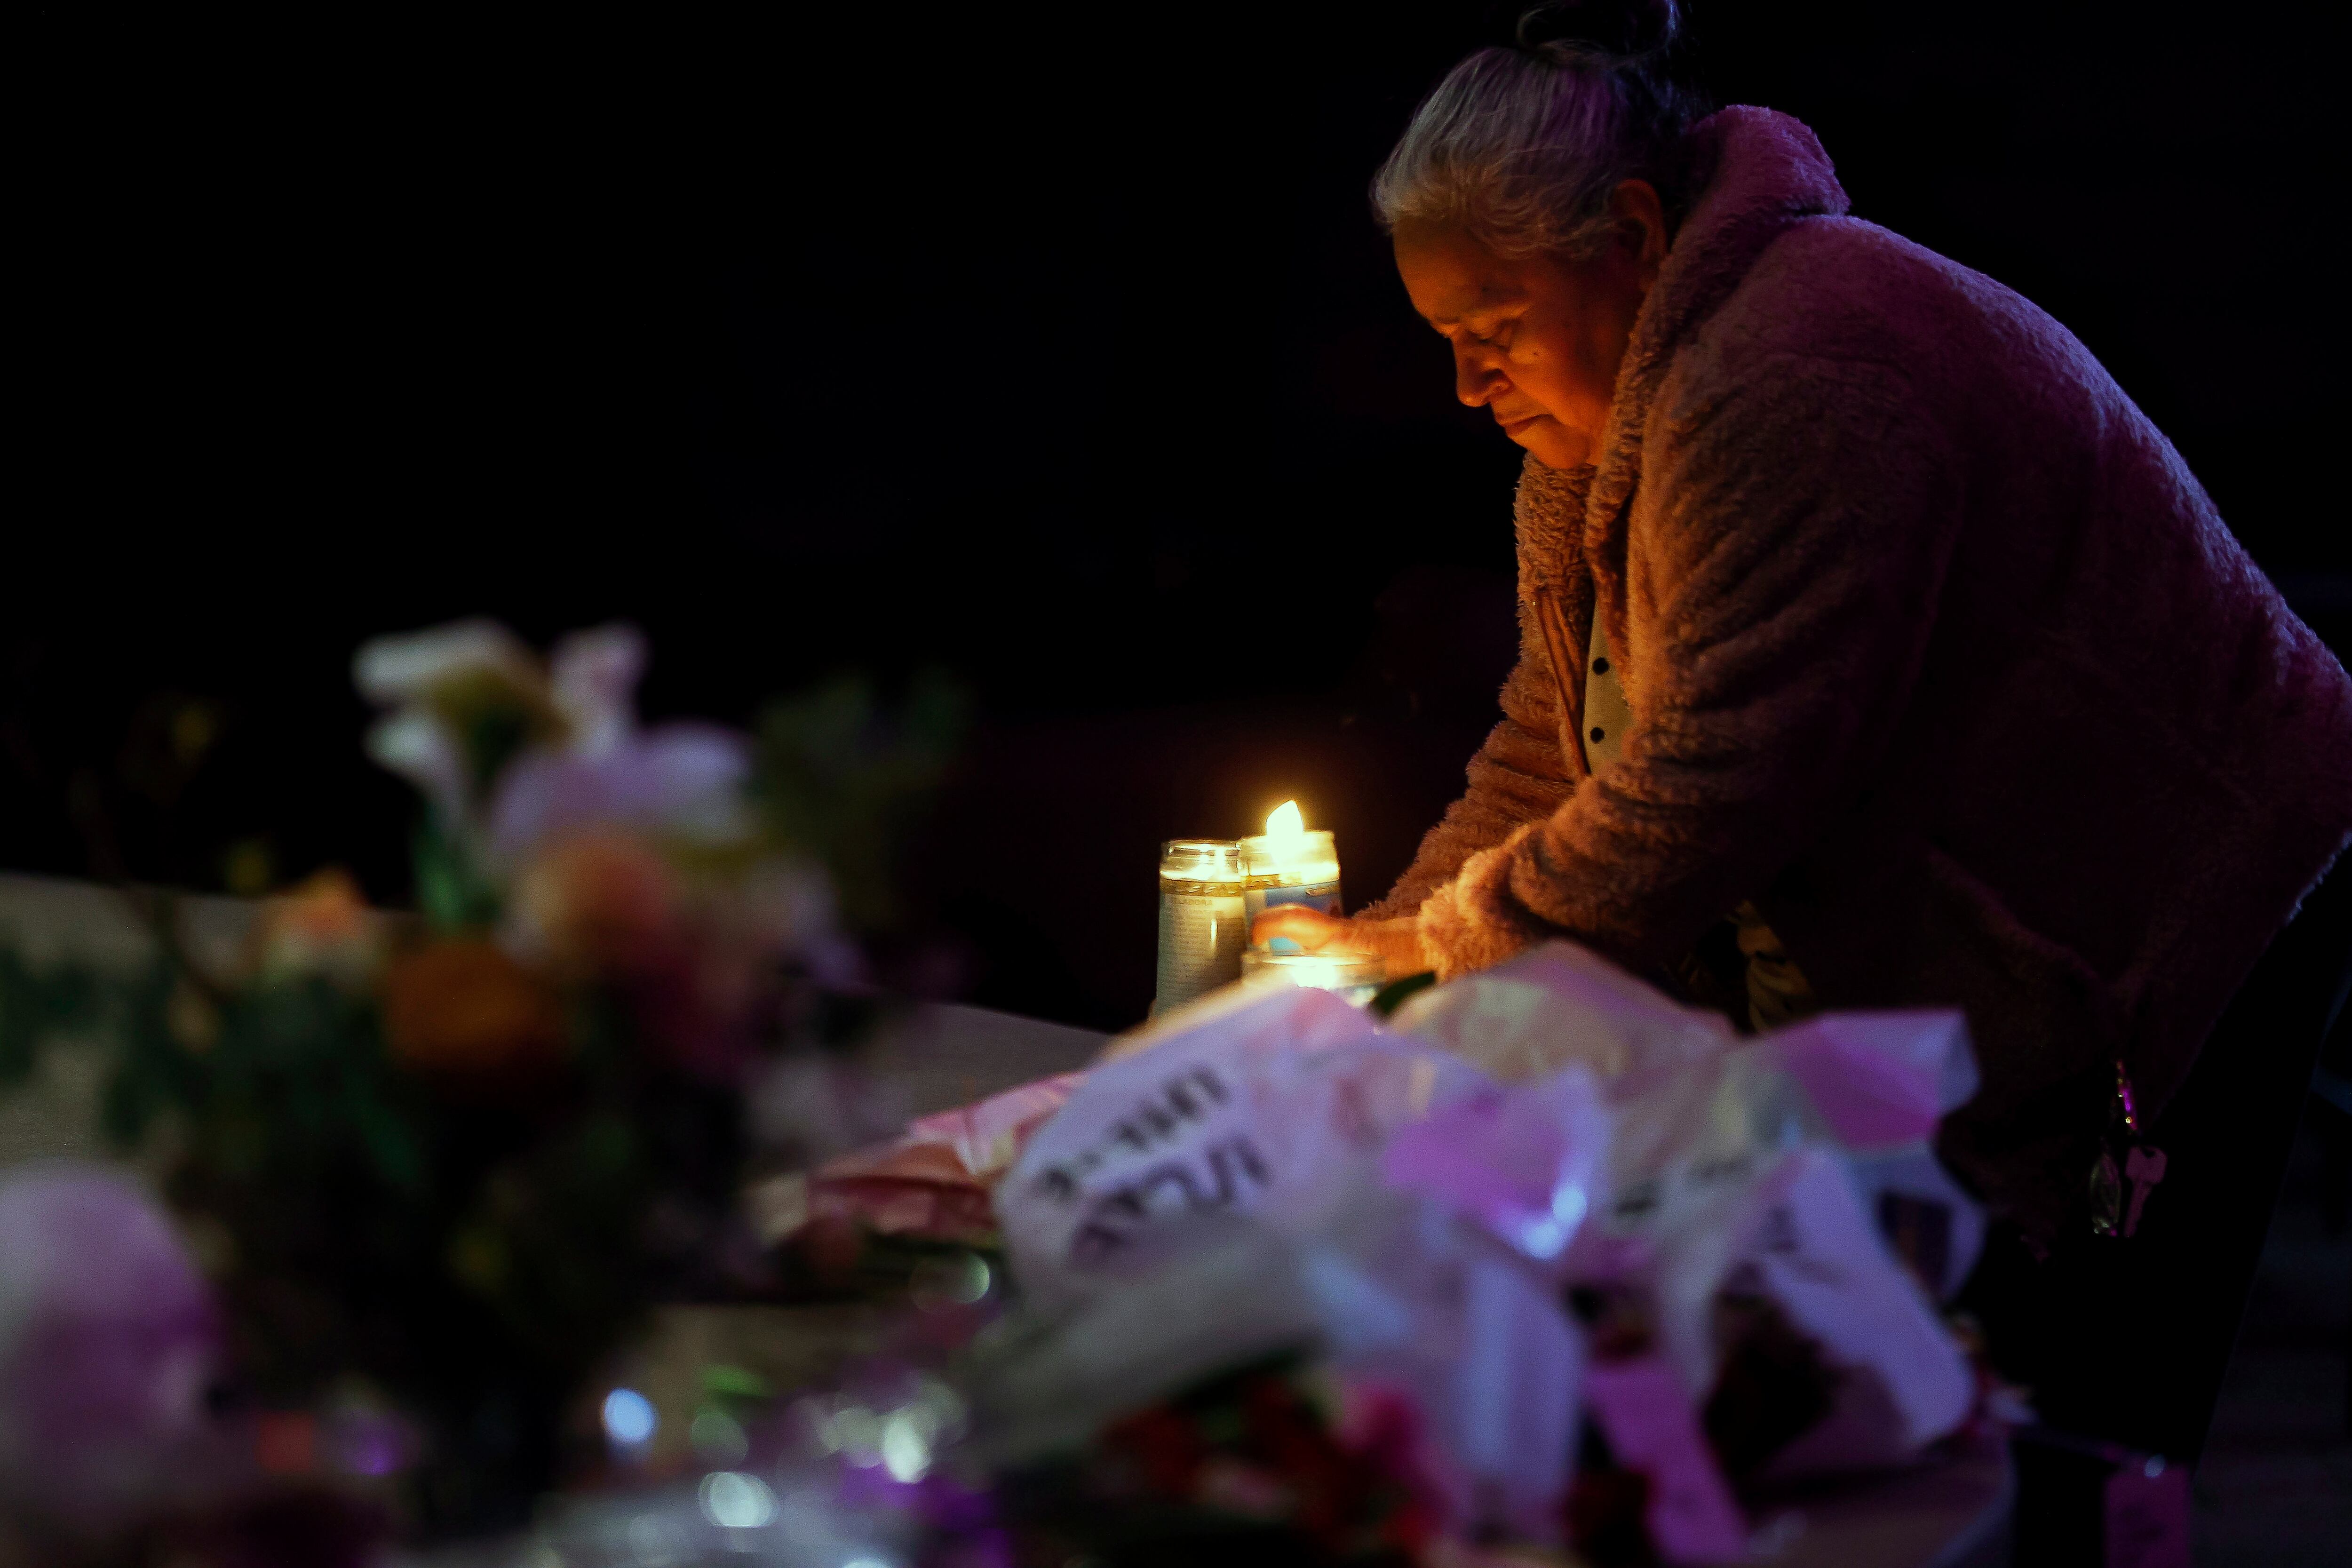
1553 443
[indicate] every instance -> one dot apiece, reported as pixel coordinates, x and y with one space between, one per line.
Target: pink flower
682 782
109 1346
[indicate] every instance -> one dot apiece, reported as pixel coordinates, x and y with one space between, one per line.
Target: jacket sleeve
1518 776
1785 574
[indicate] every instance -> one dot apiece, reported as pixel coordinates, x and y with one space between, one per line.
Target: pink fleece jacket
1934 649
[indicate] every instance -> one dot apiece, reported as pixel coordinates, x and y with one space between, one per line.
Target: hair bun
1603 32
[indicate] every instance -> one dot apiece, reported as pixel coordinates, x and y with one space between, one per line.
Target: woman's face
1538 341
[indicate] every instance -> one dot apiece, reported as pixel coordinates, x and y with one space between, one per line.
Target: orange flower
465 1008
605 903
322 927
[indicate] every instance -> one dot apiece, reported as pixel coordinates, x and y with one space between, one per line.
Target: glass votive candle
1300 868
1358 976
1203 918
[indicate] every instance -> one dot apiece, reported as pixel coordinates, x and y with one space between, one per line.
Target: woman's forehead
1451 275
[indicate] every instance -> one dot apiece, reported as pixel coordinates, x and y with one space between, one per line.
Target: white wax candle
1290 863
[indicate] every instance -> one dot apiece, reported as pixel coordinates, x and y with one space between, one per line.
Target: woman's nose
1475 379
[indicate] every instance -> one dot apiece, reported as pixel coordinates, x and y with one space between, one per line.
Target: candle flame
1286 821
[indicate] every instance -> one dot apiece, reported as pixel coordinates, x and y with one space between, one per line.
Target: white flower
419 748
594 677
409 667
440 684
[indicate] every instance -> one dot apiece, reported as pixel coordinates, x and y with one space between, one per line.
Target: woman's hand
1309 926
1397 941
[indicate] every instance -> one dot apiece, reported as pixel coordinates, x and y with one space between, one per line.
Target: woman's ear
1641 220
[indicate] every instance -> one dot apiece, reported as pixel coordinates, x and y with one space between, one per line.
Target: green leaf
451 890
1395 994
36 1006
603 1151
393 1147
126 1108
734 1382
18 1038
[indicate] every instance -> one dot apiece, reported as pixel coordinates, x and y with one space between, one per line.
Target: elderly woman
1860 610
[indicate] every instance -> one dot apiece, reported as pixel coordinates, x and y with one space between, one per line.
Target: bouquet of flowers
437 1164
1542 1261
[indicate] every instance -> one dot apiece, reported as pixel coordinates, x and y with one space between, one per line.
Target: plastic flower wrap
1283 1178
1754 1234
934 1181
1771 1235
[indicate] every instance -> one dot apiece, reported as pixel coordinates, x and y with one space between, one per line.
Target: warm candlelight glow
1290 863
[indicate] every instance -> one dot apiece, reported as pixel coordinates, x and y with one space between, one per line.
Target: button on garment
1606 716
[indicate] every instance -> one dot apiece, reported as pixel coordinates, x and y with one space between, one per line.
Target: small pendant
2106 1194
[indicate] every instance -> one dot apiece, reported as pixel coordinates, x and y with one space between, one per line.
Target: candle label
1201 940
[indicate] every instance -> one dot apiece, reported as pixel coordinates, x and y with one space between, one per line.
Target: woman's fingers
1311 929
1397 941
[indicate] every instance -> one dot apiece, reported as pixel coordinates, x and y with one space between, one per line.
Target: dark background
1054 348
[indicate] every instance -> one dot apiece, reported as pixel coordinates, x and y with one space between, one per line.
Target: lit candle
1289 864
1203 924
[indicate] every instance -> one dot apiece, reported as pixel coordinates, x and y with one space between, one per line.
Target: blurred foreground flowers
1537 1261
437 1164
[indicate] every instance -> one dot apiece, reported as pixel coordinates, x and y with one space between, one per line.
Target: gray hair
1521 147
